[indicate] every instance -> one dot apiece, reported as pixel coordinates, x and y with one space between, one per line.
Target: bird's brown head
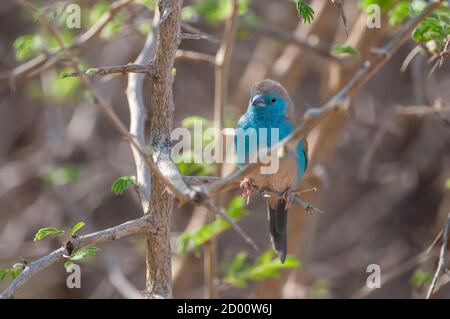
267 92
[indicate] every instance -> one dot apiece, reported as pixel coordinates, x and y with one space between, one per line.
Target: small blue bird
270 107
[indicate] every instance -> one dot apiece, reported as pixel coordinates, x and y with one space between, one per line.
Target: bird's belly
284 177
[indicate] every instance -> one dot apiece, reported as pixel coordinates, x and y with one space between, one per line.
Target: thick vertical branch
159 277
138 115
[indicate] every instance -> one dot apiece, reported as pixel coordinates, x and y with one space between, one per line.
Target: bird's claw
289 196
247 188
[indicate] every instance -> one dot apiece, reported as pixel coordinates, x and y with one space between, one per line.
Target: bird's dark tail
278 228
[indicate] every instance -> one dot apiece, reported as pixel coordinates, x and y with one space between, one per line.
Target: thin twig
441 263
195 56
148 69
271 193
212 208
289 37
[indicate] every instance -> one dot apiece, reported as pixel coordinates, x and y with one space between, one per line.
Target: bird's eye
274 100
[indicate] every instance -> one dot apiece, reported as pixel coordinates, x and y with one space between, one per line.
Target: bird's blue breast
266 119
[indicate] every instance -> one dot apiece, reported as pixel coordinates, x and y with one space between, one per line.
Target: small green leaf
122 184
70 173
304 11
144 29
91 71
76 228
68 264
264 258
399 13
319 288
447 184
113 26
194 239
189 13
266 266
191 121
344 50
237 263
84 252
27 46
14 271
418 278
383 4
3 273
47 231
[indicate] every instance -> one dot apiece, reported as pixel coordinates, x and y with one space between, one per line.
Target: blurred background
382 170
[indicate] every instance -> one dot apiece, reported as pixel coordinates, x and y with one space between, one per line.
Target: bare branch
138 114
292 38
148 69
212 208
132 227
441 263
196 56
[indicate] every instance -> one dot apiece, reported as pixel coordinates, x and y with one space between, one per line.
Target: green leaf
84 252
68 264
418 6
122 184
447 184
3 273
304 11
236 263
13 272
194 239
189 13
337 50
64 175
113 26
91 71
266 266
319 288
383 4
192 121
187 165
47 231
16 269
435 28
76 228
148 3
28 46
264 258
144 29
399 13
213 11
418 278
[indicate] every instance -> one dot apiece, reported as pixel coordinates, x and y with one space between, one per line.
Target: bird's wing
305 152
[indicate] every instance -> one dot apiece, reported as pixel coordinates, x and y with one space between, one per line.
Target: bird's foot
247 188
289 196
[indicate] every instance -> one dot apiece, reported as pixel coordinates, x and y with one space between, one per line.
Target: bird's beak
258 100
